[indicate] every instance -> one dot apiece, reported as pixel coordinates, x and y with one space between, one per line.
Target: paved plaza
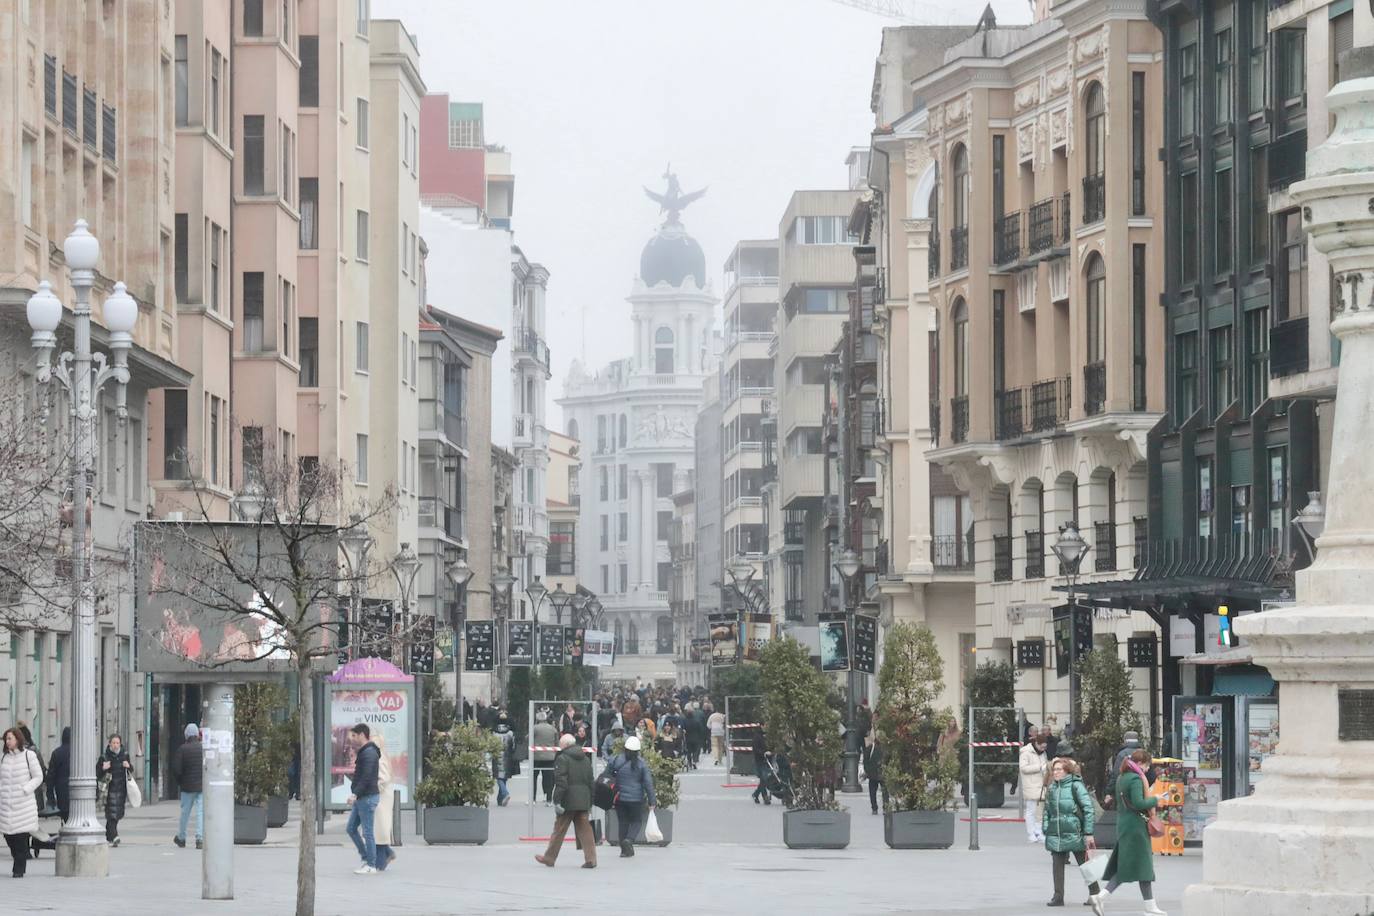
727 856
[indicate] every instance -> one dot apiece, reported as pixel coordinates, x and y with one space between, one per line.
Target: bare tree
265 594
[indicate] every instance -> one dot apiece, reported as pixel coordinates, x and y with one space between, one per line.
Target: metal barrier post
396 818
972 789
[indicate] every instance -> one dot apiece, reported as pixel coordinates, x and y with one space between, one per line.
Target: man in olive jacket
573 783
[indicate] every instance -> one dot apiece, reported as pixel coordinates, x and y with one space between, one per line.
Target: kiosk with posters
1222 742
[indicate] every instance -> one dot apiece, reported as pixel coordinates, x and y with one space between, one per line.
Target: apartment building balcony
1094 388
958 412
952 552
1094 199
1048 227
1011 414
434 513
747 345
438 422
1104 546
1050 401
809 335
793 533
1001 558
526 433
802 406
1006 242
958 248
1288 347
802 481
527 344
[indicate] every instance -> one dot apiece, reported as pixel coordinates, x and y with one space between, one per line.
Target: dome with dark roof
672 256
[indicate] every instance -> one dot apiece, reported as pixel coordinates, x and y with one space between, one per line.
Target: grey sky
753 98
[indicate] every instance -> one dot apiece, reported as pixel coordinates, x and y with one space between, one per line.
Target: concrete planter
250 824
815 829
277 807
665 823
919 829
1104 830
457 824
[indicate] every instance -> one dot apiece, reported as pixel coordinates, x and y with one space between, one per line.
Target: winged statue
673 201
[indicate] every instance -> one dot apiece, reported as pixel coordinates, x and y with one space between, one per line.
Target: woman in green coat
1068 825
1132 858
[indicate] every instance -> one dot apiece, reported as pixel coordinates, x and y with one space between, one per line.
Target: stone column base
1229 900
83 860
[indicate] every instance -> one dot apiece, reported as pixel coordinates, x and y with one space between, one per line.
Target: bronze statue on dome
673 201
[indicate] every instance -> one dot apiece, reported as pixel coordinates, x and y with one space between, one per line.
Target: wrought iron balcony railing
1104 537
952 551
1050 401
1011 413
1006 247
958 411
1001 558
1035 554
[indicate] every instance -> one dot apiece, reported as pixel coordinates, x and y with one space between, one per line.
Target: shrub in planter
801 725
992 687
1108 713
920 763
262 755
457 785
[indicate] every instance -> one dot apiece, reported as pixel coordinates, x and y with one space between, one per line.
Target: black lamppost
848 566
1070 548
459 574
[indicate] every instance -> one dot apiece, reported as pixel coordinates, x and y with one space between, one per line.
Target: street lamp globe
1312 518
81 249
120 311
405 567
536 591
355 542
560 600
848 564
44 311
579 601
1070 546
502 580
458 572
740 569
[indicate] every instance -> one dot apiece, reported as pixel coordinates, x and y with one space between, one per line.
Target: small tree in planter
262 756
1108 713
920 772
992 689
457 785
800 724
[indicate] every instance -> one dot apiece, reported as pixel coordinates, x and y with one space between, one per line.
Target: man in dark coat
573 784
188 768
60 774
365 798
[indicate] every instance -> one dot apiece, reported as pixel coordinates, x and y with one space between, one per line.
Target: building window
623 527
1221 73
310 213
362 123
1279 512
1188 230
1222 354
215 65
288 309
1187 101
253 295
464 133
665 573
286 22
1186 345
824 301
287 184
364 15
252 440
254 154
960 201
1206 502
1259 41
1096 111
216 410
252 18
605 532
663 480
1138 336
310 72
603 483
183 82
961 348
821 230
216 246
624 425
624 589
1097 296
1137 143
1290 79
622 481
362 458
174 463
361 359
363 237
308 338
1257 362
999 175
1259 207
181 254
664 525
1291 295
1224 219
663 351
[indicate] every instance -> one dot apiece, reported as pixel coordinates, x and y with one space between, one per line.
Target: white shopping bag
1093 869
135 796
651 831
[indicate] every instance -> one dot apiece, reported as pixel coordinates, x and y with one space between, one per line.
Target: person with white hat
634 785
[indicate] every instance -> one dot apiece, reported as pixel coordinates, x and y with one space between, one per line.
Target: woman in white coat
381 821
20 774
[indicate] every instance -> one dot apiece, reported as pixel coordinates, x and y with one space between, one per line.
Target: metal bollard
396 817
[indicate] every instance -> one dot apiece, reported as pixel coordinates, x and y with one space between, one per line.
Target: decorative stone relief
1058 81
916 159
1025 141
1027 96
1042 148
1092 45
661 426
935 119
956 111
1059 128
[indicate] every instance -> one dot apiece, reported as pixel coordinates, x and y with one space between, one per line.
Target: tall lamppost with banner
459 574
848 566
1070 548
404 568
82 850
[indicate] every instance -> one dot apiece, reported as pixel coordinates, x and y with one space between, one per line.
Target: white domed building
635 419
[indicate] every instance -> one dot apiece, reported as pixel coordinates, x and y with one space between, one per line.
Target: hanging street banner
481 648
376 628
572 638
834 642
443 650
422 653
520 643
724 630
598 648
551 648
865 643
757 634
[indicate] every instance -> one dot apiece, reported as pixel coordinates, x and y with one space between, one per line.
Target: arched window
624 431
1095 152
1097 294
619 638
572 429
961 187
959 318
933 211
663 351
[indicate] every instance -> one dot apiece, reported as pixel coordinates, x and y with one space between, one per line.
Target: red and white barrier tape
996 744
745 725
545 747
